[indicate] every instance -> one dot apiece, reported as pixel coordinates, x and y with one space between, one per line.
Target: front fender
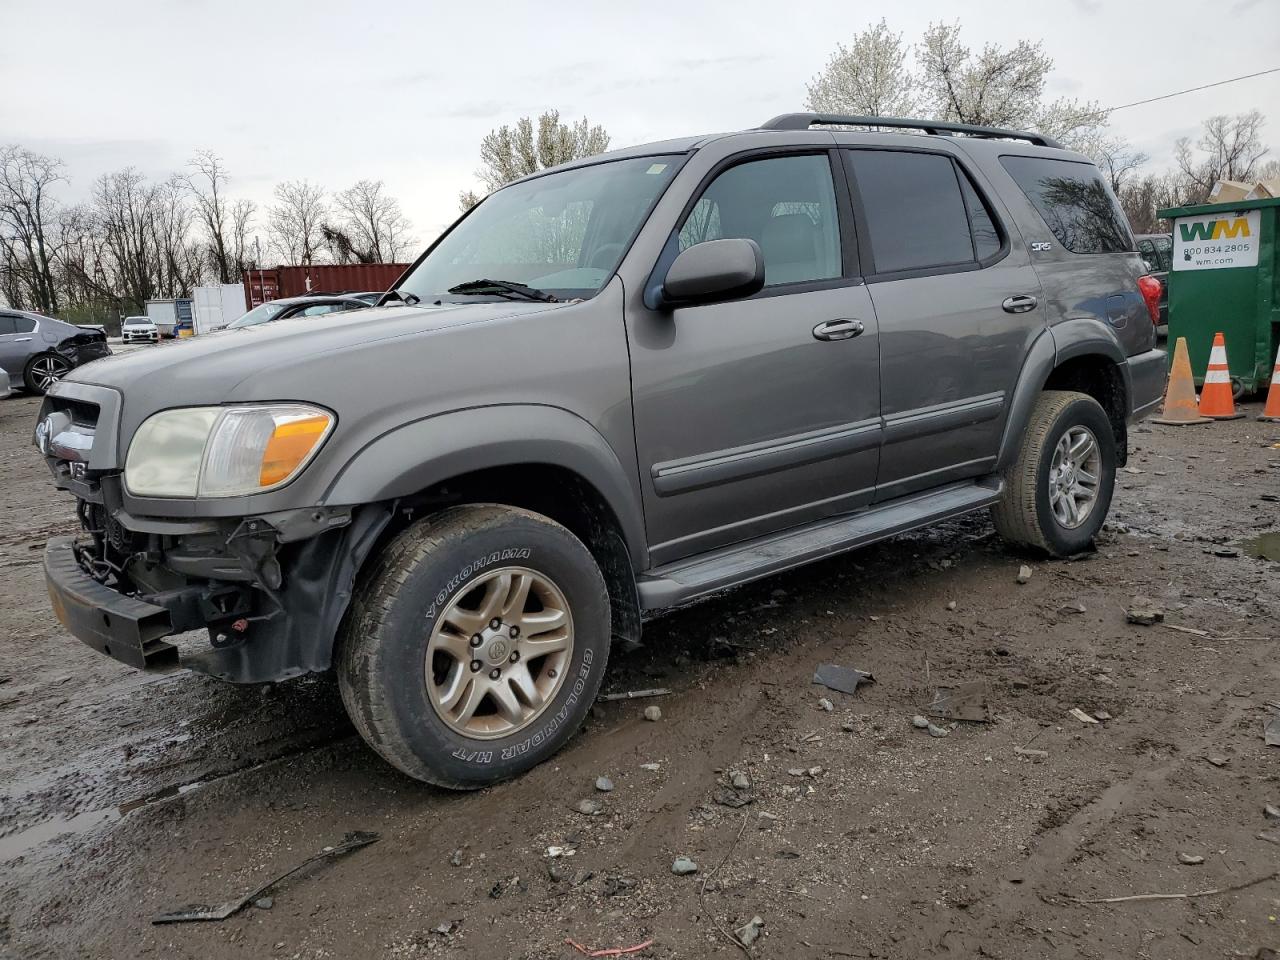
418 455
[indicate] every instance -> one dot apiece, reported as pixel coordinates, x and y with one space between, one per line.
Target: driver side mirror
714 270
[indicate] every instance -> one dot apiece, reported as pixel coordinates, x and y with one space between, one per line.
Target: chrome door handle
20 340
1019 304
838 330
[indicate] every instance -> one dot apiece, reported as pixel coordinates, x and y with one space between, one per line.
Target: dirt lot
123 795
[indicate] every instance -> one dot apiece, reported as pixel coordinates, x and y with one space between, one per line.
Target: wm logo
1214 229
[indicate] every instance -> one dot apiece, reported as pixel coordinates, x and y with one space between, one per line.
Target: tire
34 375
438 574
1027 516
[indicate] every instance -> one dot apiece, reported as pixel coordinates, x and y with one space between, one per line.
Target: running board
684 580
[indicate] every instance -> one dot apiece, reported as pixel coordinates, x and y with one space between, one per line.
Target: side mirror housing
714 270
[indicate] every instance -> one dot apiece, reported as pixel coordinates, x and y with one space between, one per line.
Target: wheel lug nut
515 632
476 640
495 673
475 666
495 623
515 655
551 672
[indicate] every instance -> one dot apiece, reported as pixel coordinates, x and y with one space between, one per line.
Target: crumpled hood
230 357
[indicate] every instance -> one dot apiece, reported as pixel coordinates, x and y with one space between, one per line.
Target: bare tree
27 226
207 185
1117 159
1232 149
870 77
293 222
509 153
242 212
371 223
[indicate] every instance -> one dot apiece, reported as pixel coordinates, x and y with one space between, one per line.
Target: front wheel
475 646
1058 490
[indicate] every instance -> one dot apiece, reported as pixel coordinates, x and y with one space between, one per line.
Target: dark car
611 387
311 305
1157 250
38 351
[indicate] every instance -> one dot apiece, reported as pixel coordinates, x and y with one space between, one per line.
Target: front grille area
82 413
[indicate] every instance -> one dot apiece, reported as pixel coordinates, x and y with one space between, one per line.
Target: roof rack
803 121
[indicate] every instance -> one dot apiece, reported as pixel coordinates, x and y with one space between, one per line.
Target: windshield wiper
502 288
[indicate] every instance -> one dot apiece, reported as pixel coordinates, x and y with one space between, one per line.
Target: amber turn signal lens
291 443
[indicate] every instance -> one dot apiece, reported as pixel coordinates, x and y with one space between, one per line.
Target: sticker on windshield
656 168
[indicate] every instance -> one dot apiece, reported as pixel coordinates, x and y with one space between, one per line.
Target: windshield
259 314
562 234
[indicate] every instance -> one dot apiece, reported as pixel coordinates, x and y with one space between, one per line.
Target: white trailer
164 314
213 307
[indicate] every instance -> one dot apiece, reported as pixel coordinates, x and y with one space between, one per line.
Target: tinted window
915 210
6 324
1074 203
785 204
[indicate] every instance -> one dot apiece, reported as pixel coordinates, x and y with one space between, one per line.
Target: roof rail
803 121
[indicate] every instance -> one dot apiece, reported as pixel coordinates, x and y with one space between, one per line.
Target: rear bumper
124 628
1146 382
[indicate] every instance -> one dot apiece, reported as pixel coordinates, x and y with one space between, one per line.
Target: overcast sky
403 92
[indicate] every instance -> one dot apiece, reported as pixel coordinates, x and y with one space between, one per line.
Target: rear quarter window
1074 203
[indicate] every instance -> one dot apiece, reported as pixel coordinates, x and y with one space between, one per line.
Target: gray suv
611 387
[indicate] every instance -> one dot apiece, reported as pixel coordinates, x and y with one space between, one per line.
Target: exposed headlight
223 451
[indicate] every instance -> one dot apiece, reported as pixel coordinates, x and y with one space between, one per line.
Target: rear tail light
1149 287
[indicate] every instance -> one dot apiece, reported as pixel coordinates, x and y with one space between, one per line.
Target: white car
139 330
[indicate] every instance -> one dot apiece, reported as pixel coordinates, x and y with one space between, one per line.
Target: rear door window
6 325
23 325
921 211
1074 203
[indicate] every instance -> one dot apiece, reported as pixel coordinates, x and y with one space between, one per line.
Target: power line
1206 86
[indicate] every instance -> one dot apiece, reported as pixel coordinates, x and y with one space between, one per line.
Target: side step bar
687 579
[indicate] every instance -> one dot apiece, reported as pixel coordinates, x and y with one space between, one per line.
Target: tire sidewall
429 587
1084 412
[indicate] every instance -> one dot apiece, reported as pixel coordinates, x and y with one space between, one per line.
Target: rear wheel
475 647
1058 490
44 371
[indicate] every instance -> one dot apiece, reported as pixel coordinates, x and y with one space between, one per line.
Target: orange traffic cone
1271 411
1215 395
1180 397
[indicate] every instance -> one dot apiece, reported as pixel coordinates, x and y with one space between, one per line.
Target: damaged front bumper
126 628
270 591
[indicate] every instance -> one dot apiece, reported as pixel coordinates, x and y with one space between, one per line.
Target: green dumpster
1226 267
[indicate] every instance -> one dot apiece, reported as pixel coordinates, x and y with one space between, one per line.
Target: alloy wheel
1074 474
48 370
499 653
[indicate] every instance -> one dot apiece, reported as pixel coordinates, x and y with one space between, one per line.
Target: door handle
838 330
1020 303
20 340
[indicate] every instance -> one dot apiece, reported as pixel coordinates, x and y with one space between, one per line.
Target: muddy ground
123 795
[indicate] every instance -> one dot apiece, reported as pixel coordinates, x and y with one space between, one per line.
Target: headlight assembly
223 451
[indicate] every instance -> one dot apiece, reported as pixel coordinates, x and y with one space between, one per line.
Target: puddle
16 844
23 841
1264 547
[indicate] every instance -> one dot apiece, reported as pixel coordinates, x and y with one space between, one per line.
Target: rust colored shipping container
276 282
